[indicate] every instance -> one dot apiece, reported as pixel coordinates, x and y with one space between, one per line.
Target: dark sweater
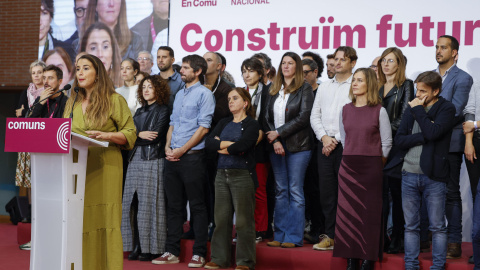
245 146
55 106
436 126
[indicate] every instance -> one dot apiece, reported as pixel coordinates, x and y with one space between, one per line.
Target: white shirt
446 72
257 95
279 108
331 97
130 94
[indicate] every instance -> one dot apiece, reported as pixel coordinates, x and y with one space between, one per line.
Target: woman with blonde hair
288 130
396 91
365 131
101 114
27 98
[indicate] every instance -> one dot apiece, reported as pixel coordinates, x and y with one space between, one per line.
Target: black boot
136 237
395 244
367 265
352 264
136 249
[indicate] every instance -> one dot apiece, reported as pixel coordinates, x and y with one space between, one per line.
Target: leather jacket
155 117
296 134
396 102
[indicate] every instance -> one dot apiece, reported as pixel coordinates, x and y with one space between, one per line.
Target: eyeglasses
373 67
305 72
79 12
385 61
143 58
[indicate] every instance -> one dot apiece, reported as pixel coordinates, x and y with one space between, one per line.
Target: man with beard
185 165
165 60
456 88
330 66
53 106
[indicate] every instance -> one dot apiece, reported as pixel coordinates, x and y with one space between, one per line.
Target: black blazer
261 150
155 118
244 147
436 126
296 134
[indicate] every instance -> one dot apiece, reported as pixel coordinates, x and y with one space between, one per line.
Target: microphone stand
76 89
29 111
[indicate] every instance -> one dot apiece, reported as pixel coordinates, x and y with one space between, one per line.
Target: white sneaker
196 262
166 258
26 246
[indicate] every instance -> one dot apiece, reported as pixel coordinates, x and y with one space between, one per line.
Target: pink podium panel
38 135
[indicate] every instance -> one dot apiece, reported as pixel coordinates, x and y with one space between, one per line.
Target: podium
58 171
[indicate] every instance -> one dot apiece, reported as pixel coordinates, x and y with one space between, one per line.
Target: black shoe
367 265
470 260
144 257
352 264
135 252
395 245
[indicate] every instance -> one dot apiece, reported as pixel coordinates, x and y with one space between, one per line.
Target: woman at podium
102 114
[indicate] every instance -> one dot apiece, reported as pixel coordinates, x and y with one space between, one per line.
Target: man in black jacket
53 106
424 140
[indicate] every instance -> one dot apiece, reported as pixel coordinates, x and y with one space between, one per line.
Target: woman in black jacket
253 73
145 173
234 138
396 91
288 130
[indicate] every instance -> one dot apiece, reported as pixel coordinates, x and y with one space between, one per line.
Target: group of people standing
356 141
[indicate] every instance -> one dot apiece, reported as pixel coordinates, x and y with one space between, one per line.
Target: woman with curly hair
145 173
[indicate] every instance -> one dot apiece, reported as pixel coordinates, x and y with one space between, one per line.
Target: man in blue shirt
185 166
165 60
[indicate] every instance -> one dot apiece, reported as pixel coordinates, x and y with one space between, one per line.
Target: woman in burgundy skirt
365 129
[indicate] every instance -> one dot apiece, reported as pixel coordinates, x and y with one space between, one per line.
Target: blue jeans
414 187
476 230
289 219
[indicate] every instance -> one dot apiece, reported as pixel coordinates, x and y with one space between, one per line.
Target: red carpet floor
11 257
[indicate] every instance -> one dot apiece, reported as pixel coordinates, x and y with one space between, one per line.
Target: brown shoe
288 245
454 251
211 265
273 244
242 267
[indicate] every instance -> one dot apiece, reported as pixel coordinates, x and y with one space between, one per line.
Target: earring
244 107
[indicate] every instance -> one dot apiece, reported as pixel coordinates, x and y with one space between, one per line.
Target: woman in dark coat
145 173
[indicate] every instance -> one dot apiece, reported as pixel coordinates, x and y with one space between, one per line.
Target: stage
11 257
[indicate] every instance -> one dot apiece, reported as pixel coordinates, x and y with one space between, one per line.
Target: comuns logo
62 136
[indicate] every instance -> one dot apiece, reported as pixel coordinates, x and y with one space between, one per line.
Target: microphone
76 89
66 87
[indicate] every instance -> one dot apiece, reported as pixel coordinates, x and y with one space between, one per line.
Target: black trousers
328 168
186 178
474 168
393 186
313 207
